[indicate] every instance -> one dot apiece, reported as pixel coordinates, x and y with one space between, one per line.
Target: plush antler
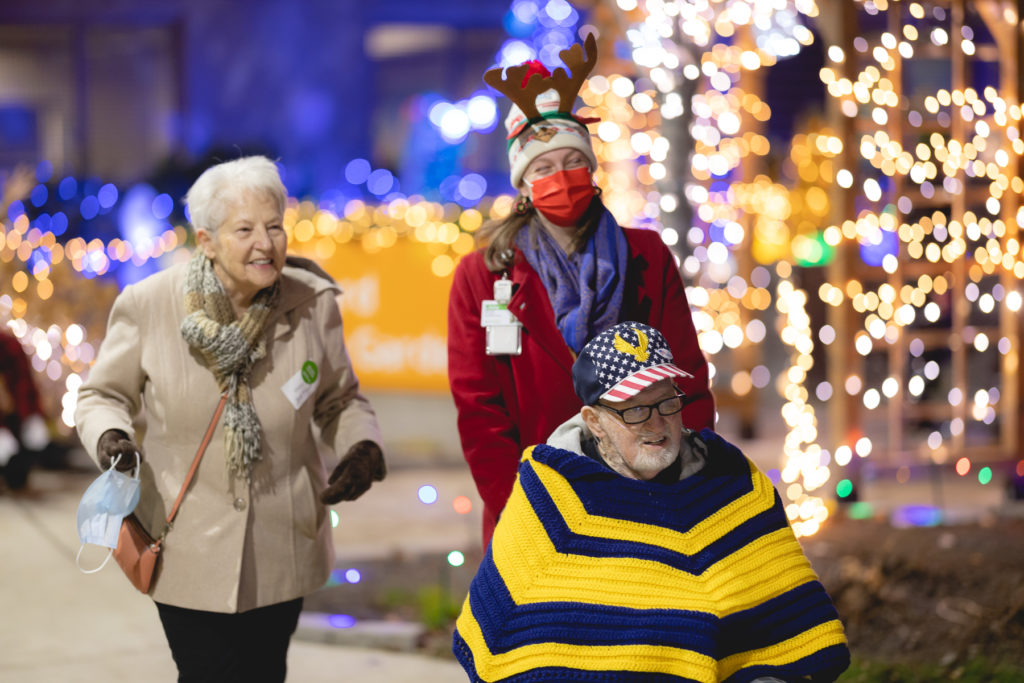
580 67
523 95
522 87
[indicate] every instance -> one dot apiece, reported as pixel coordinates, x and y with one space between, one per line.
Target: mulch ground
926 595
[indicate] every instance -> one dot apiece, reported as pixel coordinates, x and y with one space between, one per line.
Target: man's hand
361 466
113 443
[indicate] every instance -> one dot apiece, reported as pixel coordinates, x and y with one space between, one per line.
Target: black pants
211 647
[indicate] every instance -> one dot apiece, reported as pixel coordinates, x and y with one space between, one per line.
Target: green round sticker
309 372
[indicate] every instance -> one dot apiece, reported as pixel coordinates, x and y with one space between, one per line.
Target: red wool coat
507 403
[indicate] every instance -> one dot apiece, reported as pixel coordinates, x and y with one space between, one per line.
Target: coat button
239 504
522 306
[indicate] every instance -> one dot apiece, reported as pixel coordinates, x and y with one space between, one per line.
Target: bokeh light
427 494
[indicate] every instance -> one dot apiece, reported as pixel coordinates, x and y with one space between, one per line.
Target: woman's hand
113 443
361 466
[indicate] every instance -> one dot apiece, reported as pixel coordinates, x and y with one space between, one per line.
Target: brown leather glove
112 443
361 466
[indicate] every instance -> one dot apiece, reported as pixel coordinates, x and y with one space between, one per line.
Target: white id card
504 332
495 313
302 384
505 340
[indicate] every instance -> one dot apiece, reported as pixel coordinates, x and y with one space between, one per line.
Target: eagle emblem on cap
639 351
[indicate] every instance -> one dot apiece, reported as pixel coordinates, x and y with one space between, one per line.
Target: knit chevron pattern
594 577
229 346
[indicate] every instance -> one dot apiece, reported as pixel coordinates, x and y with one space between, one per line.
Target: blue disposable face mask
108 500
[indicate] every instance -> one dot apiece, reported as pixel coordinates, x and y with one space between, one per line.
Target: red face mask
563 197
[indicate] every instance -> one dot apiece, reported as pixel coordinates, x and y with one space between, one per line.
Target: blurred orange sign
395 312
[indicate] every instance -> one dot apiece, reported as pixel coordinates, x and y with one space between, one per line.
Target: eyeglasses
638 414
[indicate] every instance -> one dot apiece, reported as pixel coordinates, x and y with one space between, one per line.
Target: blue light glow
454 125
44 169
559 10
874 253
353 576
107 196
437 112
472 187
163 205
341 621
97 261
357 171
525 11
59 224
39 195
482 111
449 187
916 515
515 52
15 209
67 188
39 255
454 121
427 494
89 207
380 182
515 26
135 220
716 232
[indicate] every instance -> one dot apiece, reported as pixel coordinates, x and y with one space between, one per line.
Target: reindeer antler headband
524 95
537 123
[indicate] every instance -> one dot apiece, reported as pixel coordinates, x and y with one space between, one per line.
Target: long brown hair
497 237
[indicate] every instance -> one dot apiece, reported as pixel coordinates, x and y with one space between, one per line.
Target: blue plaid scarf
585 288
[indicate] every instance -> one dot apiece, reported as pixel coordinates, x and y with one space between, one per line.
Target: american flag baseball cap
621 362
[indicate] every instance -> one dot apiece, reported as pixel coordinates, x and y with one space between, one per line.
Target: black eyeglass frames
638 414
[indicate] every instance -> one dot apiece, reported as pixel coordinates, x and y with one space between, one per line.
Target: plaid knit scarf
230 347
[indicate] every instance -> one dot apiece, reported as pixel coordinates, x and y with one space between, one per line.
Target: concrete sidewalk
61 625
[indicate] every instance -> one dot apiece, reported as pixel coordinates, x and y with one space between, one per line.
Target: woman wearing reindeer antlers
545 280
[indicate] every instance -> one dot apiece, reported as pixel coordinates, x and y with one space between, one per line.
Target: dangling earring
506 257
523 205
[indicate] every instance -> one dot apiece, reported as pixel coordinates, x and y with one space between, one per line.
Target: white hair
211 197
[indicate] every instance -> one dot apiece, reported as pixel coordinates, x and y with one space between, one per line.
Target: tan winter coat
234 547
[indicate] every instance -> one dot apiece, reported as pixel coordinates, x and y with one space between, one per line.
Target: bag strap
199 456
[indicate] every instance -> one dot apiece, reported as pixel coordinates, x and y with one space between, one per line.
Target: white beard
646 465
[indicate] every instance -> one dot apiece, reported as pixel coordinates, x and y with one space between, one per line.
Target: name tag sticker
302 384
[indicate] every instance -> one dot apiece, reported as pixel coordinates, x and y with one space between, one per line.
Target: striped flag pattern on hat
621 362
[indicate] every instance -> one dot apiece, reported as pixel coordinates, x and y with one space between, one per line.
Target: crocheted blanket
594 577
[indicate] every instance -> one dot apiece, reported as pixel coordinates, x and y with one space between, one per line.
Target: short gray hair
210 198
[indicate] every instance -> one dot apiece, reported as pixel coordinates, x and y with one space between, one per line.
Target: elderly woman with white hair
242 322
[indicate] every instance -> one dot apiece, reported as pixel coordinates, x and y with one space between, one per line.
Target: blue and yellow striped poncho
594 577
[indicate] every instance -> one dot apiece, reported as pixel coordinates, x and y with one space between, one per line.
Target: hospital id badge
505 340
503 331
